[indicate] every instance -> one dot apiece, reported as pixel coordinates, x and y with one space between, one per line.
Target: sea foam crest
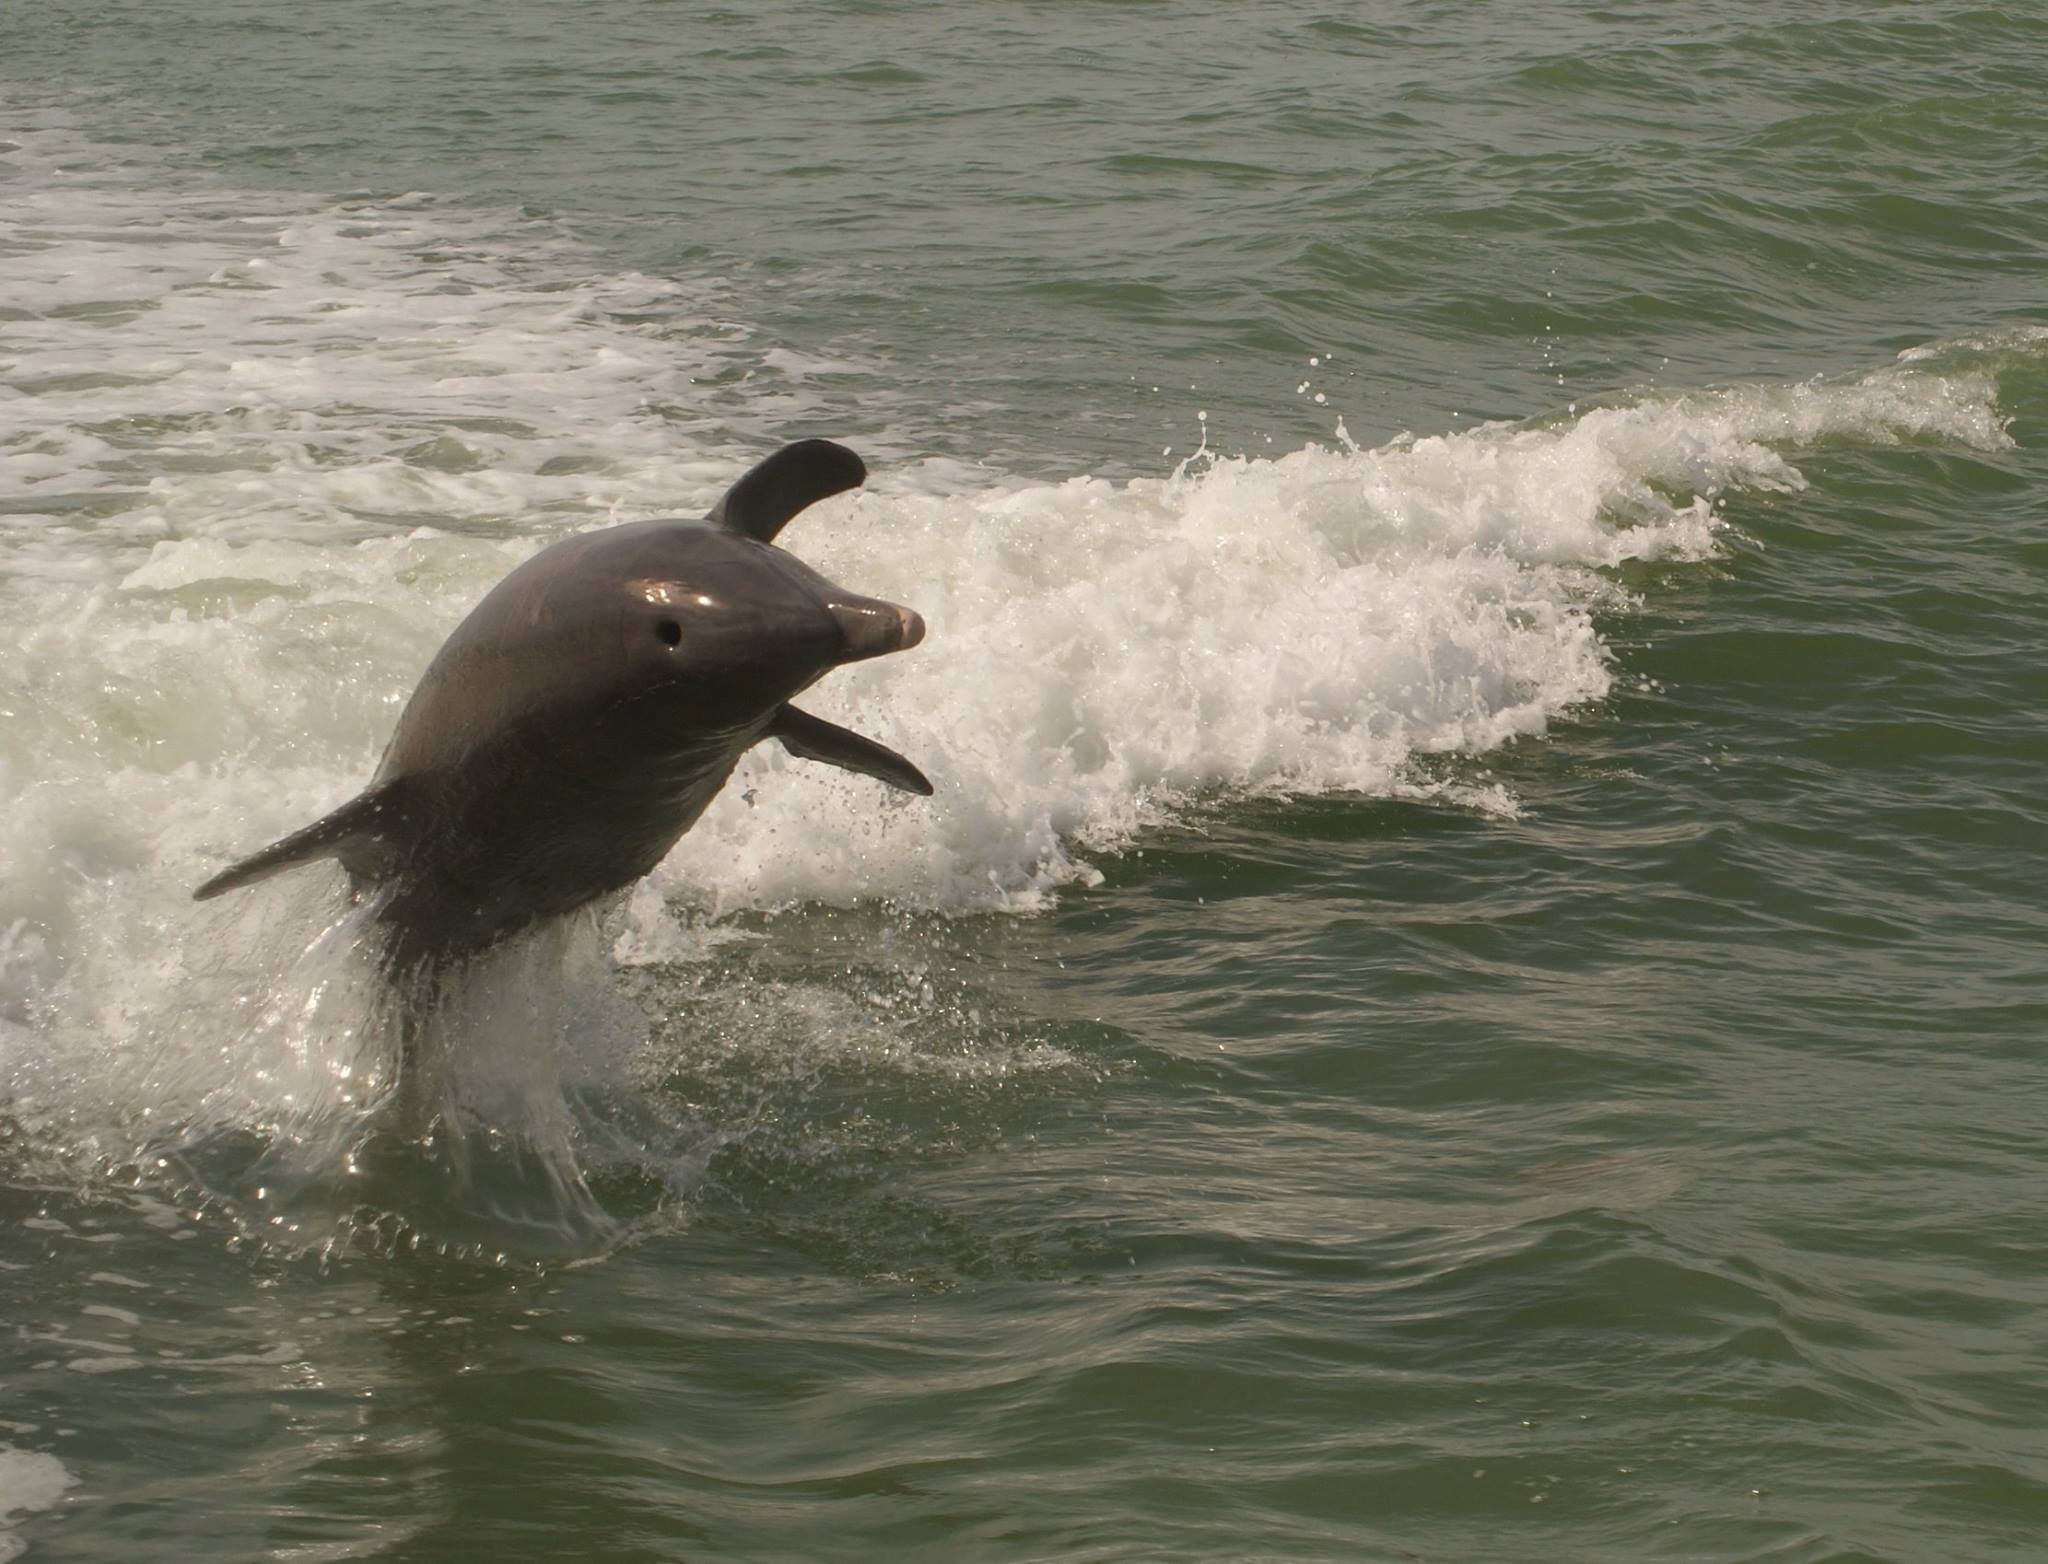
262 457
1101 654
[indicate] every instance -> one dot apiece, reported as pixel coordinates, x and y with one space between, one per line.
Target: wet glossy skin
580 720
582 717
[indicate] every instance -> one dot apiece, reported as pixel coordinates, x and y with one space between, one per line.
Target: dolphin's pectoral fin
354 833
776 489
813 738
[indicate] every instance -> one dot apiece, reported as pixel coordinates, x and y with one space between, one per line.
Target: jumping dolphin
582 717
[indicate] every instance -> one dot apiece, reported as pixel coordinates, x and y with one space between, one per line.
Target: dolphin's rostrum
582 717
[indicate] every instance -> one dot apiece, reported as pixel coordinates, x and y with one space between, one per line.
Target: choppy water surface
1471 988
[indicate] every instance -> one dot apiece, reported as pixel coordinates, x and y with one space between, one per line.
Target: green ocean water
1470 991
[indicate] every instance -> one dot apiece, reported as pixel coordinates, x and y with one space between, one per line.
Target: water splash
262 456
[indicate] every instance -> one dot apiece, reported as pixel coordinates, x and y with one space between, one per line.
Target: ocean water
1471 987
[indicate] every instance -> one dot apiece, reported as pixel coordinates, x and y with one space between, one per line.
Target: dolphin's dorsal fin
813 738
776 489
352 833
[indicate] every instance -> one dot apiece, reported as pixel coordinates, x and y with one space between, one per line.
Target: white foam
261 458
229 365
2019 341
29 1482
1100 655
116 1365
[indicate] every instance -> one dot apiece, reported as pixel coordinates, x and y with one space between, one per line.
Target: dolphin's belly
535 842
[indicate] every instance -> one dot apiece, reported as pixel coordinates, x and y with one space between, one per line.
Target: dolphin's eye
670 632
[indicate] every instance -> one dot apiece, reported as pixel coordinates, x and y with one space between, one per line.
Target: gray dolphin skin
583 716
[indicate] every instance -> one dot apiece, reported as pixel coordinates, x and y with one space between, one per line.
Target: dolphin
588 710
